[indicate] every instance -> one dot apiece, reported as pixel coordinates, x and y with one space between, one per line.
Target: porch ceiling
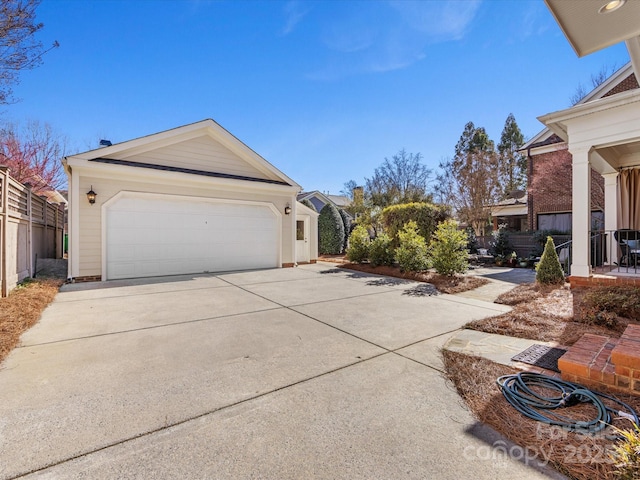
608 127
622 155
588 30
590 26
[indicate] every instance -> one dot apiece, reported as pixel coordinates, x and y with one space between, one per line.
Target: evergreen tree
549 271
513 165
330 231
469 181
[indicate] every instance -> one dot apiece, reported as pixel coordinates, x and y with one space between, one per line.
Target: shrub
500 245
425 215
448 249
626 454
330 230
359 245
381 251
621 300
307 203
549 271
472 240
411 253
346 222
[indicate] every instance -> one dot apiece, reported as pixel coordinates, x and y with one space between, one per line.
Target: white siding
201 153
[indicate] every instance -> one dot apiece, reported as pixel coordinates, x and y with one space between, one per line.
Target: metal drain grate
541 356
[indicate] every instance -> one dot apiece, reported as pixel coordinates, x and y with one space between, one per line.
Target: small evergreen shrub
411 253
381 251
330 231
448 249
472 240
549 271
500 245
359 245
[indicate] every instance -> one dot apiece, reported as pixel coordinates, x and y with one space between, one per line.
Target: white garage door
156 235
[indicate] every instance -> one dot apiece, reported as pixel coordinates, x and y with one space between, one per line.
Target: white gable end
200 153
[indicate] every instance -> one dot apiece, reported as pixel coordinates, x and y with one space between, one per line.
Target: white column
581 215
611 214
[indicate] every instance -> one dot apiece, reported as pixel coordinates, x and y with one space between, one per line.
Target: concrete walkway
497 348
312 372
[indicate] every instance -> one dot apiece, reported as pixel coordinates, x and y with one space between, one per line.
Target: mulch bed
575 455
444 284
22 309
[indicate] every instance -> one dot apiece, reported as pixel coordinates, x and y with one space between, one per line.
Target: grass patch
444 283
22 309
577 456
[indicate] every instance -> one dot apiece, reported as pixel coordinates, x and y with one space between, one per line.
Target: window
300 230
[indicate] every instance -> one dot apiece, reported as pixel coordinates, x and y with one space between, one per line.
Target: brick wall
552 194
628 83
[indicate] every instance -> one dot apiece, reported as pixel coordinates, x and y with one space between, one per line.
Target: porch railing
615 251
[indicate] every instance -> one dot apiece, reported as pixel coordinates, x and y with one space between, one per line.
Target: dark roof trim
203 173
553 139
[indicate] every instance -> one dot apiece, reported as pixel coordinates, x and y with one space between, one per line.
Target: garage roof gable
204 147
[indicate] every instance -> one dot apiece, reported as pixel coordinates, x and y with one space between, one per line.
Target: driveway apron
312 372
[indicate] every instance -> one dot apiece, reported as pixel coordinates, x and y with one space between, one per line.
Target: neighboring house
188 200
549 205
603 135
512 212
319 200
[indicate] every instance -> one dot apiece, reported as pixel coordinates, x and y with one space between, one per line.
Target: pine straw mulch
577 456
443 283
545 313
22 309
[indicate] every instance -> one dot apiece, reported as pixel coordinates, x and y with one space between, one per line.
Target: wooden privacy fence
30 227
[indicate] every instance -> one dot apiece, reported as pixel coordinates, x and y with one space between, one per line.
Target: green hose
517 390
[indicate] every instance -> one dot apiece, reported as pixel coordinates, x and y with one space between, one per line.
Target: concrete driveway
312 372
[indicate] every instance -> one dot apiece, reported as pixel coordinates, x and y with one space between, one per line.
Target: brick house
549 201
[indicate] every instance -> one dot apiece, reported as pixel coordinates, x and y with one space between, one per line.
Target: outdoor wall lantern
287 209
91 196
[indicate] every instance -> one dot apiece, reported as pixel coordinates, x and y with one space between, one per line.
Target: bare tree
33 155
597 79
19 49
402 179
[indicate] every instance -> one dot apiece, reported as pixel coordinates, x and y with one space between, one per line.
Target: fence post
4 213
29 231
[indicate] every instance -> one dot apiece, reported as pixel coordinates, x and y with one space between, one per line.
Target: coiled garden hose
517 389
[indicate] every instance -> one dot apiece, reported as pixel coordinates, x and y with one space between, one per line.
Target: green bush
425 215
411 253
472 240
346 222
500 245
330 231
307 203
448 249
359 245
621 300
549 271
381 251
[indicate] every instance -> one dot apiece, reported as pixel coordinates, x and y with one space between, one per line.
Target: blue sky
324 90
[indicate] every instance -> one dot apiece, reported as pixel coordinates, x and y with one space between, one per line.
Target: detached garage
189 200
